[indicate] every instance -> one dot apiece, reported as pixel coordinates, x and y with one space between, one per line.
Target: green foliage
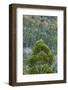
40 46
41 59
39 34
40 27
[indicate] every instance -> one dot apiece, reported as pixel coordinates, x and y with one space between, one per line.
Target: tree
41 59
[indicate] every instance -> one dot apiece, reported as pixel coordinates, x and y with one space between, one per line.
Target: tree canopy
39 44
41 59
40 27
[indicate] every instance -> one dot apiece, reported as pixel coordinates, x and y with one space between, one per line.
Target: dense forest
37 28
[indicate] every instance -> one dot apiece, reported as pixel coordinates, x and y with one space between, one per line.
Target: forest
39 34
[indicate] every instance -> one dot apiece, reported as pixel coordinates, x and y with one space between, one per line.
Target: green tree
41 60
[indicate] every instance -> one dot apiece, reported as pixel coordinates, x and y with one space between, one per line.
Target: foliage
41 59
40 27
37 29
